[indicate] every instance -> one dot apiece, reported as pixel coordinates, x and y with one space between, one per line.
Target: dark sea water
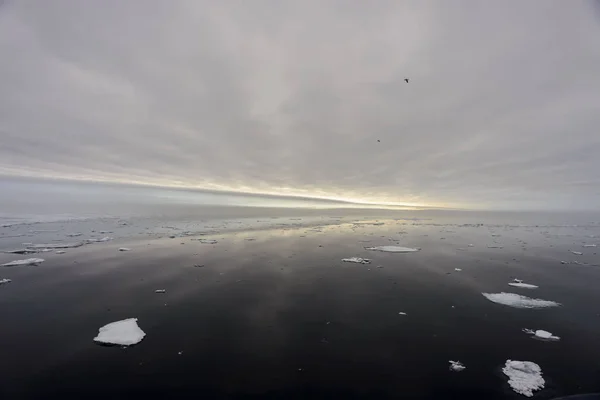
274 313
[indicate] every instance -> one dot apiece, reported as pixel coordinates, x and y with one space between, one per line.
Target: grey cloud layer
502 108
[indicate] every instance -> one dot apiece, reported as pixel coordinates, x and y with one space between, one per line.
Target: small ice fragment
27 261
124 249
542 334
456 366
160 291
524 376
402 313
518 280
124 333
564 262
518 301
458 269
55 245
3 281
393 249
471 245
522 285
180 352
74 234
589 245
60 252
495 246
207 241
577 253
104 239
357 260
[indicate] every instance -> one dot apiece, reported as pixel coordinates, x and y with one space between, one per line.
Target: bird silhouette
406 80
378 140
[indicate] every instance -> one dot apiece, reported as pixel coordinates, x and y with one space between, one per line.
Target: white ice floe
207 241
357 260
524 376
456 366
495 246
3 281
60 252
55 246
27 261
124 249
74 234
519 283
101 240
124 333
518 301
160 291
542 334
589 245
471 245
458 269
393 249
402 313
577 253
564 262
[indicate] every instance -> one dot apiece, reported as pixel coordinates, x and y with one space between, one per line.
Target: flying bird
406 80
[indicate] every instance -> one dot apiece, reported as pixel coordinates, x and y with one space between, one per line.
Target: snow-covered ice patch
27 261
542 334
589 245
456 366
393 249
3 281
577 253
160 291
101 240
207 241
125 333
518 301
495 246
402 313
458 269
124 249
520 284
524 376
357 260
55 246
74 234
60 252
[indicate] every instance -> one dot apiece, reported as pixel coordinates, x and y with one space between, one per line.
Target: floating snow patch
27 261
495 246
577 253
456 366
458 269
518 301
208 241
542 335
60 252
124 249
393 249
402 313
519 283
357 260
104 239
3 281
21 251
589 245
160 291
124 333
524 376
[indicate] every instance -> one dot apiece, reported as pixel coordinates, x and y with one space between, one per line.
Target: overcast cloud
502 109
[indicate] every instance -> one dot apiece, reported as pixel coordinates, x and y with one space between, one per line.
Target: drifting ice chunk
402 313
577 253
589 245
458 269
160 291
74 234
524 376
124 333
60 252
55 246
124 249
3 281
27 261
357 260
518 301
471 245
207 241
541 334
495 246
104 239
393 249
519 283
21 251
456 366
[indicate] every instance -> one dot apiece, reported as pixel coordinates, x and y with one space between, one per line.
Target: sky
308 98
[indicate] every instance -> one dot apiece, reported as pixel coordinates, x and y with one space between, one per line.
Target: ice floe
542 334
577 253
27 261
74 234
208 241
589 245
393 249
124 249
518 301
3 281
357 260
524 377
55 246
60 252
520 284
125 333
495 246
160 291
402 313
458 269
456 366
